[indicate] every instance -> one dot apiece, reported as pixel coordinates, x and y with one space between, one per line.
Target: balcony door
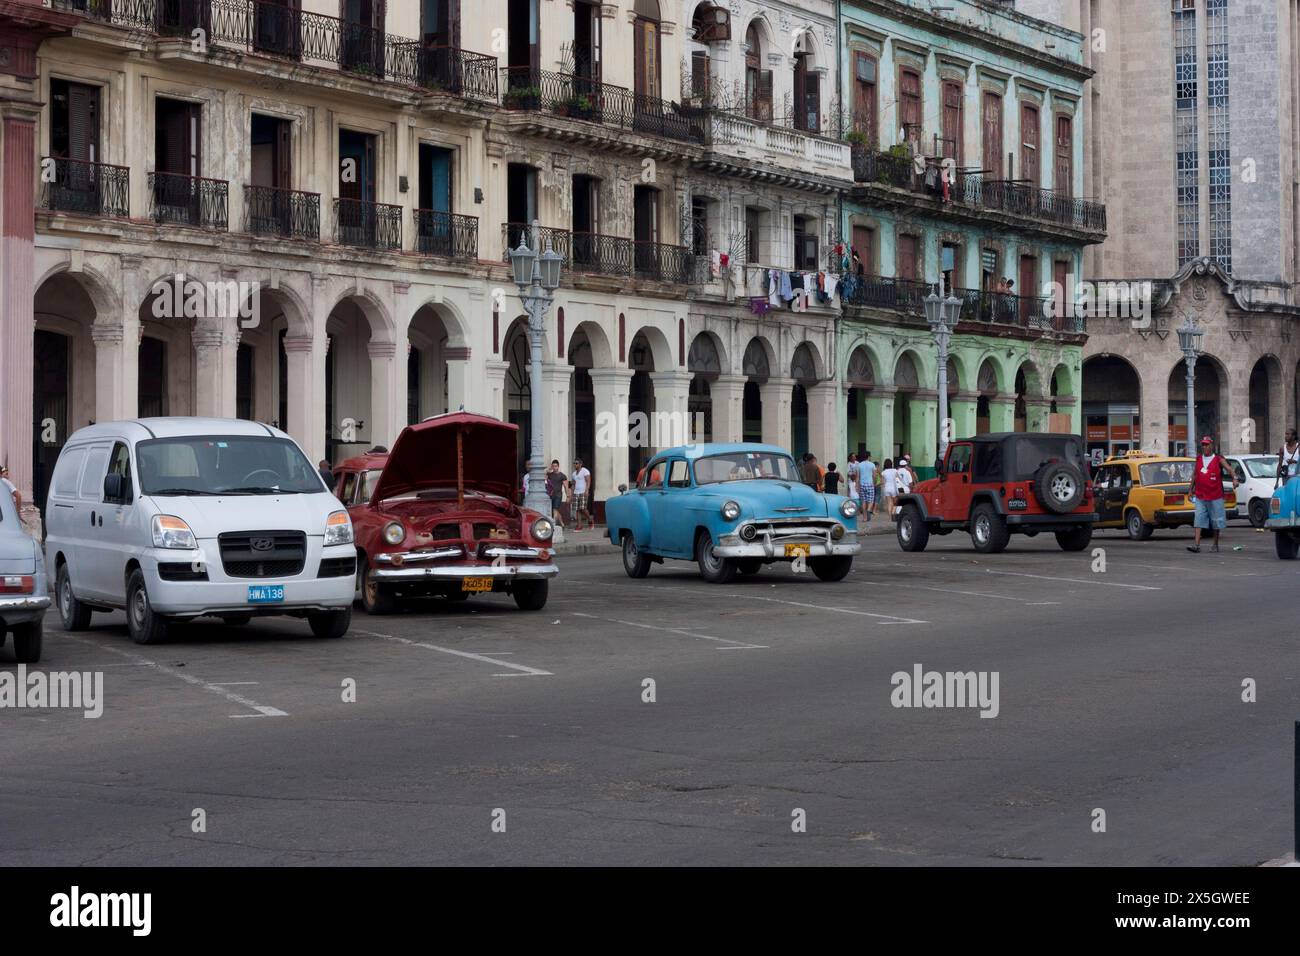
908 257
645 229
992 127
440 36
181 17
277 27
270 175
909 105
1063 178
74 144
864 96
807 96
361 45
1031 164
586 220
522 52
435 232
1028 285
953 97
177 160
357 187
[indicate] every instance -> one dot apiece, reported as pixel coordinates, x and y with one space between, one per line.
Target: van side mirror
114 488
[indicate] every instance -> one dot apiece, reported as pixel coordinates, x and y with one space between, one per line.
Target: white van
172 518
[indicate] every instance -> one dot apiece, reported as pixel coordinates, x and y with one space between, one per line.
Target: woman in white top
905 475
889 475
853 475
1288 459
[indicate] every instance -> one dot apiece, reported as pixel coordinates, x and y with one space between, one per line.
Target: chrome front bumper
528 572
22 604
402 558
772 547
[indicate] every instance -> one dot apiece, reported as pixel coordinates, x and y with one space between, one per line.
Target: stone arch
907 374
383 328
1033 378
806 366
602 353
1212 383
1064 384
1263 427
453 321
990 379
764 32
861 369
98 288
723 360
759 359
661 350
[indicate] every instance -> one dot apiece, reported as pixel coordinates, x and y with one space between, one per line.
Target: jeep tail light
1020 492
18 584
1174 501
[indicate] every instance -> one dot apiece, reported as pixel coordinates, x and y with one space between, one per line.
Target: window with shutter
992 155
700 74
812 103
909 104
764 102
864 246
907 257
1063 179
1030 160
952 120
864 96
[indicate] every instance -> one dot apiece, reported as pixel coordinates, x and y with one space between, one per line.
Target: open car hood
425 457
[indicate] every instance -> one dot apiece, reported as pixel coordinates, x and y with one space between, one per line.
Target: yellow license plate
476 584
795 550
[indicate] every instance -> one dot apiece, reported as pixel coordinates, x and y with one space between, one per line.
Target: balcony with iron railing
84 188
897 168
513 234
1029 314
589 253
282 213
578 97
368 225
178 199
283 30
446 234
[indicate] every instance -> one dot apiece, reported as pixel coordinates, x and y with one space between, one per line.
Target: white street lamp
942 314
537 277
1189 340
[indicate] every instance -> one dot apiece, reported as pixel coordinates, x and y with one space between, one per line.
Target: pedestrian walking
326 475
11 488
889 480
1206 492
1288 459
556 481
868 476
851 476
831 480
812 475
581 485
905 475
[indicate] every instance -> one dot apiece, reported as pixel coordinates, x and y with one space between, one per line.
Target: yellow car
1142 491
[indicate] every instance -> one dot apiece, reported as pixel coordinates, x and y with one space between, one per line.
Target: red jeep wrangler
992 485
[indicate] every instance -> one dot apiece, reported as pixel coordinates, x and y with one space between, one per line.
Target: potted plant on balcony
522 97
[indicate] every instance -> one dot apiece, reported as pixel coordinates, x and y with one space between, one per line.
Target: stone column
923 442
777 395
459 393
387 393
1154 405
496 390
556 419
1037 413
1234 408
113 402
1068 404
1281 389
215 347
880 422
305 393
963 408
610 387
728 395
672 423
1002 412
824 435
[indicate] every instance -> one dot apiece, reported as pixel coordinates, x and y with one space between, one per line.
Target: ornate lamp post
1189 340
942 314
537 277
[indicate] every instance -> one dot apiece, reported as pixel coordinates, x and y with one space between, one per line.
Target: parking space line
735 645
520 669
261 709
886 619
1048 577
997 597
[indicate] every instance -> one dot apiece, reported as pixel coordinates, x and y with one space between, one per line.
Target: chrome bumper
458 571
772 548
403 558
23 604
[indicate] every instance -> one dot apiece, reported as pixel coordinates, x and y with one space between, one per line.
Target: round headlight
543 529
848 507
837 532
748 532
394 533
730 510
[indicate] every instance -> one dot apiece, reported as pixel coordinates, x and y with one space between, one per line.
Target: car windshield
225 465
744 466
1261 467
1031 451
1166 473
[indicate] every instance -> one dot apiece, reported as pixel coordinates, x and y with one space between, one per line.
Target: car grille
337 568
285 556
445 532
483 529
180 571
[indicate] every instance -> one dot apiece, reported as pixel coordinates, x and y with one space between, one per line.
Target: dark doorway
152 378
50 410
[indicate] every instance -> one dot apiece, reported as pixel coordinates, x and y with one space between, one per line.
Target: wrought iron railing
1025 199
513 233
188 200
565 94
446 234
886 292
885 169
287 213
458 72
134 14
594 254
88 189
604 255
370 225
663 263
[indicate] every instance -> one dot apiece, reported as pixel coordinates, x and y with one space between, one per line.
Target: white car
1255 476
175 518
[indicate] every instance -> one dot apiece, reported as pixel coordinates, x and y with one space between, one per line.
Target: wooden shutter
700 74
864 244
1030 159
764 100
864 96
992 125
800 86
638 58
952 120
813 102
1061 276
284 154
368 171
1028 283
907 257
1064 172
909 85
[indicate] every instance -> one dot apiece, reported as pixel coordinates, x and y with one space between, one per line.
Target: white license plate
265 593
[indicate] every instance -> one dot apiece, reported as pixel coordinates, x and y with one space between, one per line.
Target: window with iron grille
1216 92
1187 185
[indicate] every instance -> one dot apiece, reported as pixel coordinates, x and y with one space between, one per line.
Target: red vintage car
436 517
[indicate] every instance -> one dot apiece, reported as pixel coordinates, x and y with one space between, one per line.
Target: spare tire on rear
1059 487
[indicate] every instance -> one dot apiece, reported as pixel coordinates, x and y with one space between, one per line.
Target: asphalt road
1119 690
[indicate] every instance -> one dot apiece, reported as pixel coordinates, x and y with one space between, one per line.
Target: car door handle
92 519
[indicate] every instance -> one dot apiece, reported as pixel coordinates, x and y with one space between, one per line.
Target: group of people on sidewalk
1207 492
570 494
862 480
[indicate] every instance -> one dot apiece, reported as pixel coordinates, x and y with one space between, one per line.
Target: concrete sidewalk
596 540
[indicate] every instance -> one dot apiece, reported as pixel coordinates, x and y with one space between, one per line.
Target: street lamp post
537 277
942 314
1189 340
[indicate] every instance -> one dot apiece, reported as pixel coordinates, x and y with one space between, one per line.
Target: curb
579 549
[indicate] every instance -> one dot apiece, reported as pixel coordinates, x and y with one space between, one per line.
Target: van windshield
225 465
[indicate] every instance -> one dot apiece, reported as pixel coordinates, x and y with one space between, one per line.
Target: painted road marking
519 669
1048 577
261 709
886 618
998 597
735 645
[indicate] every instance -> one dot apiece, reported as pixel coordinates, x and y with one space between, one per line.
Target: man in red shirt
1206 492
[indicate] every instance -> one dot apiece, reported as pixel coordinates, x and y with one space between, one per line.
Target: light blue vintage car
1284 519
732 509
24 592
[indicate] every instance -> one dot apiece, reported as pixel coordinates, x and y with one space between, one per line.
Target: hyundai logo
262 544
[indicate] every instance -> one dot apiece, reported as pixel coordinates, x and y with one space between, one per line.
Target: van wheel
713 569
1137 529
330 624
831 568
1286 545
988 530
27 642
374 598
74 614
145 625
1258 512
1075 539
913 533
531 595
636 564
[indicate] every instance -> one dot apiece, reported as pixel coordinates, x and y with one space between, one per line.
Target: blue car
24 592
732 508
1284 521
